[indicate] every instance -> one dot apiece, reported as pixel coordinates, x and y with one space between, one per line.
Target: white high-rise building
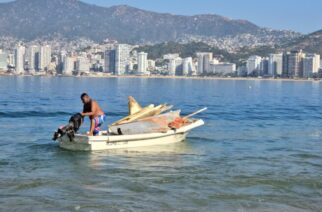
62 56
311 65
295 63
317 63
44 57
31 57
3 61
142 63
187 66
82 65
204 60
222 68
200 64
61 60
130 65
151 65
175 66
208 58
20 59
122 58
68 66
212 66
275 64
172 67
11 59
253 64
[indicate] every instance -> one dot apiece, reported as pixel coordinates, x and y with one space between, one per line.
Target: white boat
105 141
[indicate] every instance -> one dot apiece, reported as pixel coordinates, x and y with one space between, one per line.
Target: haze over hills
33 19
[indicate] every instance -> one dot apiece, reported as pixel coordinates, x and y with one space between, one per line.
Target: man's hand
87 114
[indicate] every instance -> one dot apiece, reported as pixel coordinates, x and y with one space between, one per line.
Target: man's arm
93 112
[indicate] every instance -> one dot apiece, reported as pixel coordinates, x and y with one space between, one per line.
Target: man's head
85 98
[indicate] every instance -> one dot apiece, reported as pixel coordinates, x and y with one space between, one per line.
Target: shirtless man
94 112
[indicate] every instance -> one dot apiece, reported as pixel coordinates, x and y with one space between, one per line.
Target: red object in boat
177 123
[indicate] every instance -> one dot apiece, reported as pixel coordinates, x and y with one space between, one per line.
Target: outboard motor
71 128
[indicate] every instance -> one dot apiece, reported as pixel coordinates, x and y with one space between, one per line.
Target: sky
298 15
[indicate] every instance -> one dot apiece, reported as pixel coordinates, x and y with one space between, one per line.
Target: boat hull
109 142
106 145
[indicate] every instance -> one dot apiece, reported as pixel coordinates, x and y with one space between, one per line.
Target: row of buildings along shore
123 59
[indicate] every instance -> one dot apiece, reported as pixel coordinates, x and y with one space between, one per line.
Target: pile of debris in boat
149 119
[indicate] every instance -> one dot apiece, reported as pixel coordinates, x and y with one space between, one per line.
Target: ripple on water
260 149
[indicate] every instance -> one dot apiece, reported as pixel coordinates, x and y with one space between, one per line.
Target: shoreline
167 77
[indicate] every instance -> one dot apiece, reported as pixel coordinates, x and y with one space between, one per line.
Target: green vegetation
311 43
190 49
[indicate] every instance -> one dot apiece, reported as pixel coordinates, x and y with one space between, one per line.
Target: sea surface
260 150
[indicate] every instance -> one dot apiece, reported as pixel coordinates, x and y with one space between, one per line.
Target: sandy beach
103 75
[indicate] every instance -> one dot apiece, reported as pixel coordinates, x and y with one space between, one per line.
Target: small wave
24 114
201 138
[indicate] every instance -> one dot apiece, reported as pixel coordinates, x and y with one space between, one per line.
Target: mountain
32 19
309 43
188 49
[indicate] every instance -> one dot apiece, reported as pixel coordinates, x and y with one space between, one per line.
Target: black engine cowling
75 122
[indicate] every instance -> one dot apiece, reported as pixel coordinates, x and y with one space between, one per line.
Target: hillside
32 19
190 49
311 43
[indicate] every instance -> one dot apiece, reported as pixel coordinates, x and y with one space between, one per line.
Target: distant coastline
102 75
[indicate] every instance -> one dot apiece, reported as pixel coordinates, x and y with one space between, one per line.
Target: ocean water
260 150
